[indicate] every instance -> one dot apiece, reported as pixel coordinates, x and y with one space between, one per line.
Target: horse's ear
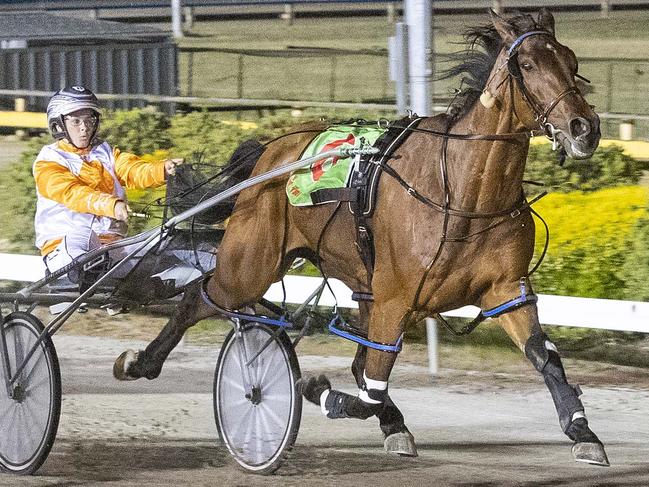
504 28
545 20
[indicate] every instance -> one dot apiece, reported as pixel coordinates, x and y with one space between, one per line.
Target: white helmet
67 101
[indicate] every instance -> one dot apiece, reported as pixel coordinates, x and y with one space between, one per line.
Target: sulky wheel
31 406
256 406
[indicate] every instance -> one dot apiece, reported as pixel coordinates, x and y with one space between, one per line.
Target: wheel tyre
277 371
19 453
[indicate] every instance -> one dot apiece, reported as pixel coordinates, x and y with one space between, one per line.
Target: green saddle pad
332 172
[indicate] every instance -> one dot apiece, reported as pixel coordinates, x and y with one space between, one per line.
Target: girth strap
328 195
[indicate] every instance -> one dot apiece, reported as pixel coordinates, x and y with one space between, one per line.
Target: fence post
288 14
176 19
189 17
190 73
433 356
240 77
392 12
606 6
332 79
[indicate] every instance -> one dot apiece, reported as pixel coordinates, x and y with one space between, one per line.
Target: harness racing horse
451 227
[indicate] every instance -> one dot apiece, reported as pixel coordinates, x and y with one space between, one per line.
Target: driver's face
81 126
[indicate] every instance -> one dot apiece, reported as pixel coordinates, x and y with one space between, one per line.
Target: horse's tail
190 186
243 161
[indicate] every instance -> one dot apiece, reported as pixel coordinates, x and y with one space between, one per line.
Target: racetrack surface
472 428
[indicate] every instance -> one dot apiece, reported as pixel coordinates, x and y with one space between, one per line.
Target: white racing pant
79 242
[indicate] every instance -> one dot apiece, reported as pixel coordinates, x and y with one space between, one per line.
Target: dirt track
474 428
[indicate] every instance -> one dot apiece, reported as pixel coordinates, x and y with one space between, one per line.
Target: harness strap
328 195
511 305
361 296
242 316
521 38
337 324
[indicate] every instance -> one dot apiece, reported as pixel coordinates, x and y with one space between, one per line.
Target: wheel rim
255 428
26 420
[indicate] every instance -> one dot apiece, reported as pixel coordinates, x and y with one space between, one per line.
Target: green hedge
591 270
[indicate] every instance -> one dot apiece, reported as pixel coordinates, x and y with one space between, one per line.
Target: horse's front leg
523 327
131 365
397 437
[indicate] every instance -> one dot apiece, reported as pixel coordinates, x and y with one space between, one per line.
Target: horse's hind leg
131 365
523 327
398 438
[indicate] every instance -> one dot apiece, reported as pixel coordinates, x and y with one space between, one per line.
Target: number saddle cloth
354 180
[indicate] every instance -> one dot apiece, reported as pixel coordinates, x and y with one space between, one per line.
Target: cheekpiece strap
521 38
512 304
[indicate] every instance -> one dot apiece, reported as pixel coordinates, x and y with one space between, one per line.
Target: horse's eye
527 66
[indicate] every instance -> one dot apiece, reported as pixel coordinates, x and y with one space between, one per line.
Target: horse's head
546 84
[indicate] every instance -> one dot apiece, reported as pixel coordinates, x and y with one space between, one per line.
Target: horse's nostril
579 127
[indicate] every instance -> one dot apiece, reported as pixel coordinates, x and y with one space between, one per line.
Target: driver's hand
121 211
170 166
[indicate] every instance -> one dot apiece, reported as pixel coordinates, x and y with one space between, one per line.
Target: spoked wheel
30 408
256 406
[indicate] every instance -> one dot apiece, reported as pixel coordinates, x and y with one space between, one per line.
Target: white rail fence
605 314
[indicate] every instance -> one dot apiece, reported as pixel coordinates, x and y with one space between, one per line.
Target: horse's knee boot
544 356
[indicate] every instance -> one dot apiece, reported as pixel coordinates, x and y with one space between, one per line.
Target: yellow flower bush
589 235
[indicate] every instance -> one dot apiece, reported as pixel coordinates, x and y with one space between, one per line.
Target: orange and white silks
79 188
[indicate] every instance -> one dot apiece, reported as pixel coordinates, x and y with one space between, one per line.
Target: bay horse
451 227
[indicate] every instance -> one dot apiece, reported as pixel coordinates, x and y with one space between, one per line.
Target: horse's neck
487 176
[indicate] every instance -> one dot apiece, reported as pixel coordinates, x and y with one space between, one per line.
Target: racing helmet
67 101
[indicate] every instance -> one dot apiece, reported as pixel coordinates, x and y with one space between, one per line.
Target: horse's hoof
592 453
401 444
123 362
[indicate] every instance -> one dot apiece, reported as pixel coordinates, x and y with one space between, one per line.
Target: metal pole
419 15
433 356
497 6
398 53
176 19
261 178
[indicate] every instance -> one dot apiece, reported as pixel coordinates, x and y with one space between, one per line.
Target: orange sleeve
57 183
135 173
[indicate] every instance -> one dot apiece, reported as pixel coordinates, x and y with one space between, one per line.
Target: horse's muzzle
581 138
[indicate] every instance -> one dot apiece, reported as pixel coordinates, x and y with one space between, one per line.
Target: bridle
541 114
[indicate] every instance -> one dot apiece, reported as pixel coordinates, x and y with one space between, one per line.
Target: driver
80 181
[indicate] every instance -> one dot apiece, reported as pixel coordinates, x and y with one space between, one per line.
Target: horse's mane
474 63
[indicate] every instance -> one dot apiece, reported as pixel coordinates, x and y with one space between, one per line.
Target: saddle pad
332 172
